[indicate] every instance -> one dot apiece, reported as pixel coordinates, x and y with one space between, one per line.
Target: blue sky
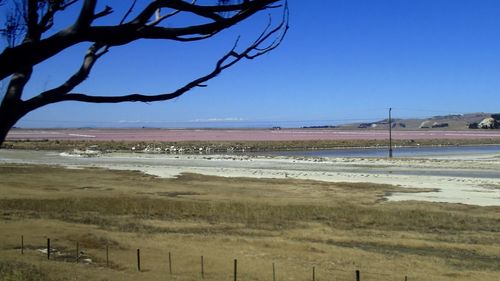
342 60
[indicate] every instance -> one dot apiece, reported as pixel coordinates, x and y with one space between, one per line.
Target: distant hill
450 122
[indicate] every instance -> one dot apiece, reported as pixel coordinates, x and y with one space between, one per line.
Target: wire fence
78 254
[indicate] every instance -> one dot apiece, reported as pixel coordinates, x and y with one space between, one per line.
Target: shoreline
239 140
211 147
472 180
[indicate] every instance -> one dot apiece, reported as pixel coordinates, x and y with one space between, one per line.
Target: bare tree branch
32 53
37 17
32 21
232 57
16 85
159 18
91 57
87 15
47 20
14 27
179 5
204 11
128 11
107 11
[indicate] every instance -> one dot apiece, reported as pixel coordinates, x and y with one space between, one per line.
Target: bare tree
32 19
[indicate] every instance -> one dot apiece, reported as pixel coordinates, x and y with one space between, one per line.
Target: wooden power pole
390 133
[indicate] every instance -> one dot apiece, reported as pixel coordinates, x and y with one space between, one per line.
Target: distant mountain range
452 122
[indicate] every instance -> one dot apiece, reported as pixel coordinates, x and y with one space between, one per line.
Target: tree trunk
10 113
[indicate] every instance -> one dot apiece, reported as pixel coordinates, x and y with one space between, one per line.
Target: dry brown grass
295 224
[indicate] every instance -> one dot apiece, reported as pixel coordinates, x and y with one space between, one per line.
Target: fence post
139 260
358 277
314 273
202 268
274 273
170 263
107 255
77 257
48 248
235 270
22 244
406 278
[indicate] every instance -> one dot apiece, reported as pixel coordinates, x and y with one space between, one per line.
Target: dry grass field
295 224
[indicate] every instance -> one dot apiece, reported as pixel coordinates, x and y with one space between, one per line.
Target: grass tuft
19 271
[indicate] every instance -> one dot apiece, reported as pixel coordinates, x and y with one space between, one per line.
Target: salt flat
472 179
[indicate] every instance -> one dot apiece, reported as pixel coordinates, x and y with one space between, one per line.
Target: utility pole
390 133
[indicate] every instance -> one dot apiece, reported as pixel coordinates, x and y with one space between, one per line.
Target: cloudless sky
342 60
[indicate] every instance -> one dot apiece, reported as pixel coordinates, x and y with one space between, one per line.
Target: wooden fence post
48 248
274 273
202 268
235 270
139 260
22 244
77 257
314 273
358 275
107 255
406 278
170 263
